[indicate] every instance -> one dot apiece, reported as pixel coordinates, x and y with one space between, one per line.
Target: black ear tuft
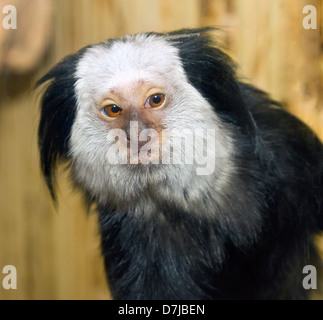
212 73
58 109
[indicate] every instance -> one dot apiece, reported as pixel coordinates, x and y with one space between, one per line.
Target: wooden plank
282 57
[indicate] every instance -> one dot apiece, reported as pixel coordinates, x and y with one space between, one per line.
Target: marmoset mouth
175 147
147 152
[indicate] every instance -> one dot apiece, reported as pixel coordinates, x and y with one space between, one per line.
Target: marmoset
205 187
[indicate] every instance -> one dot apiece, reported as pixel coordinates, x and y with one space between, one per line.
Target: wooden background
56 252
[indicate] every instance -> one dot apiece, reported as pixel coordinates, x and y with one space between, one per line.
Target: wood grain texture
22 48
56 252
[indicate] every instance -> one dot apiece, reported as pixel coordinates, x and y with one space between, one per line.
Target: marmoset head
140 111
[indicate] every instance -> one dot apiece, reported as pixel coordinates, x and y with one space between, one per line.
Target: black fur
280 163
212 72
57 116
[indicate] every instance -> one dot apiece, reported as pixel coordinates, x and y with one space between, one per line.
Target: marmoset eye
156 100
111 111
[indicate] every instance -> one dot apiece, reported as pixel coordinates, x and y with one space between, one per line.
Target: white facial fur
123 66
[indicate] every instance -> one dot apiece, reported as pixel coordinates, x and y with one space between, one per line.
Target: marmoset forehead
139 57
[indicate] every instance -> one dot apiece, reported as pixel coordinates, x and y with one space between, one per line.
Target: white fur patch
124 63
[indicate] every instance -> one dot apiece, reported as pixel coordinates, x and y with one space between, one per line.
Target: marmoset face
137 115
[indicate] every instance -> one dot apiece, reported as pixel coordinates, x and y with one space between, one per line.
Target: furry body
245 231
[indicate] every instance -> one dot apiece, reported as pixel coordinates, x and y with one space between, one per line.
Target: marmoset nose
136 141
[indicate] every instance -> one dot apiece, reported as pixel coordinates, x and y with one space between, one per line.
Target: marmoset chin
204 186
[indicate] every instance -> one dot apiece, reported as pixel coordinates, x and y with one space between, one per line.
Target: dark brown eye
111 111
156 100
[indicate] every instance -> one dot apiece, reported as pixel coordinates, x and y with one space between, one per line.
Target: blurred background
56 251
